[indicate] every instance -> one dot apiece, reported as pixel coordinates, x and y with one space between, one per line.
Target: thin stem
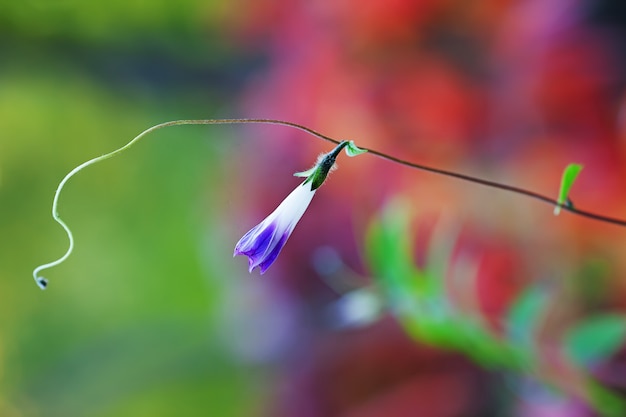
42 282
501 186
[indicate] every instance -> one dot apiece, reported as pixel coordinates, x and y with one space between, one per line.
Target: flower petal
263 242
255 243
272 255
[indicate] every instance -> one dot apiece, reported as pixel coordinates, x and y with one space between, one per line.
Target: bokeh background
152 317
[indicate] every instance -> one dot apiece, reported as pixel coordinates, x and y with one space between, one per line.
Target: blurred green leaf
606 402
595 339
525 314
389 252
439 260
567 180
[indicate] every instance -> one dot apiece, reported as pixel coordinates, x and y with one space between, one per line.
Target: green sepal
317 175
353 150
320 173
567 180
306 173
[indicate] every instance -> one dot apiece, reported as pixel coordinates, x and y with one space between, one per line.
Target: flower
263 242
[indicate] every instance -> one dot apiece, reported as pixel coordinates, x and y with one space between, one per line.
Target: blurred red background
505 90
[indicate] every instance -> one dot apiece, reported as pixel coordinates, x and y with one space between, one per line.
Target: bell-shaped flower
263 242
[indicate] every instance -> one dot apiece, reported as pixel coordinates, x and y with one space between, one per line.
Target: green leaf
439 260
353 150
606 402
567 180
524 316
595 339
389 254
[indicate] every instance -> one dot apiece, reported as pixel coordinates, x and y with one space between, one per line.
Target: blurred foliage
111 20
128 325
595 339
123 329
420 298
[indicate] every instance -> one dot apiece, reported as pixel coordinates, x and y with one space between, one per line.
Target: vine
562 203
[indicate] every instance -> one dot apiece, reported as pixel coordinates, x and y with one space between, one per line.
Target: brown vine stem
42 282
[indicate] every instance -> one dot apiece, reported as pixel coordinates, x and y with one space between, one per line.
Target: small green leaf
595 339
353 150
567 180
306 173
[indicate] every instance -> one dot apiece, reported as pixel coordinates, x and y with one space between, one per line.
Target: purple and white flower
263 242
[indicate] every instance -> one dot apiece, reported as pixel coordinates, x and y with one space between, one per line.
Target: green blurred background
128 324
